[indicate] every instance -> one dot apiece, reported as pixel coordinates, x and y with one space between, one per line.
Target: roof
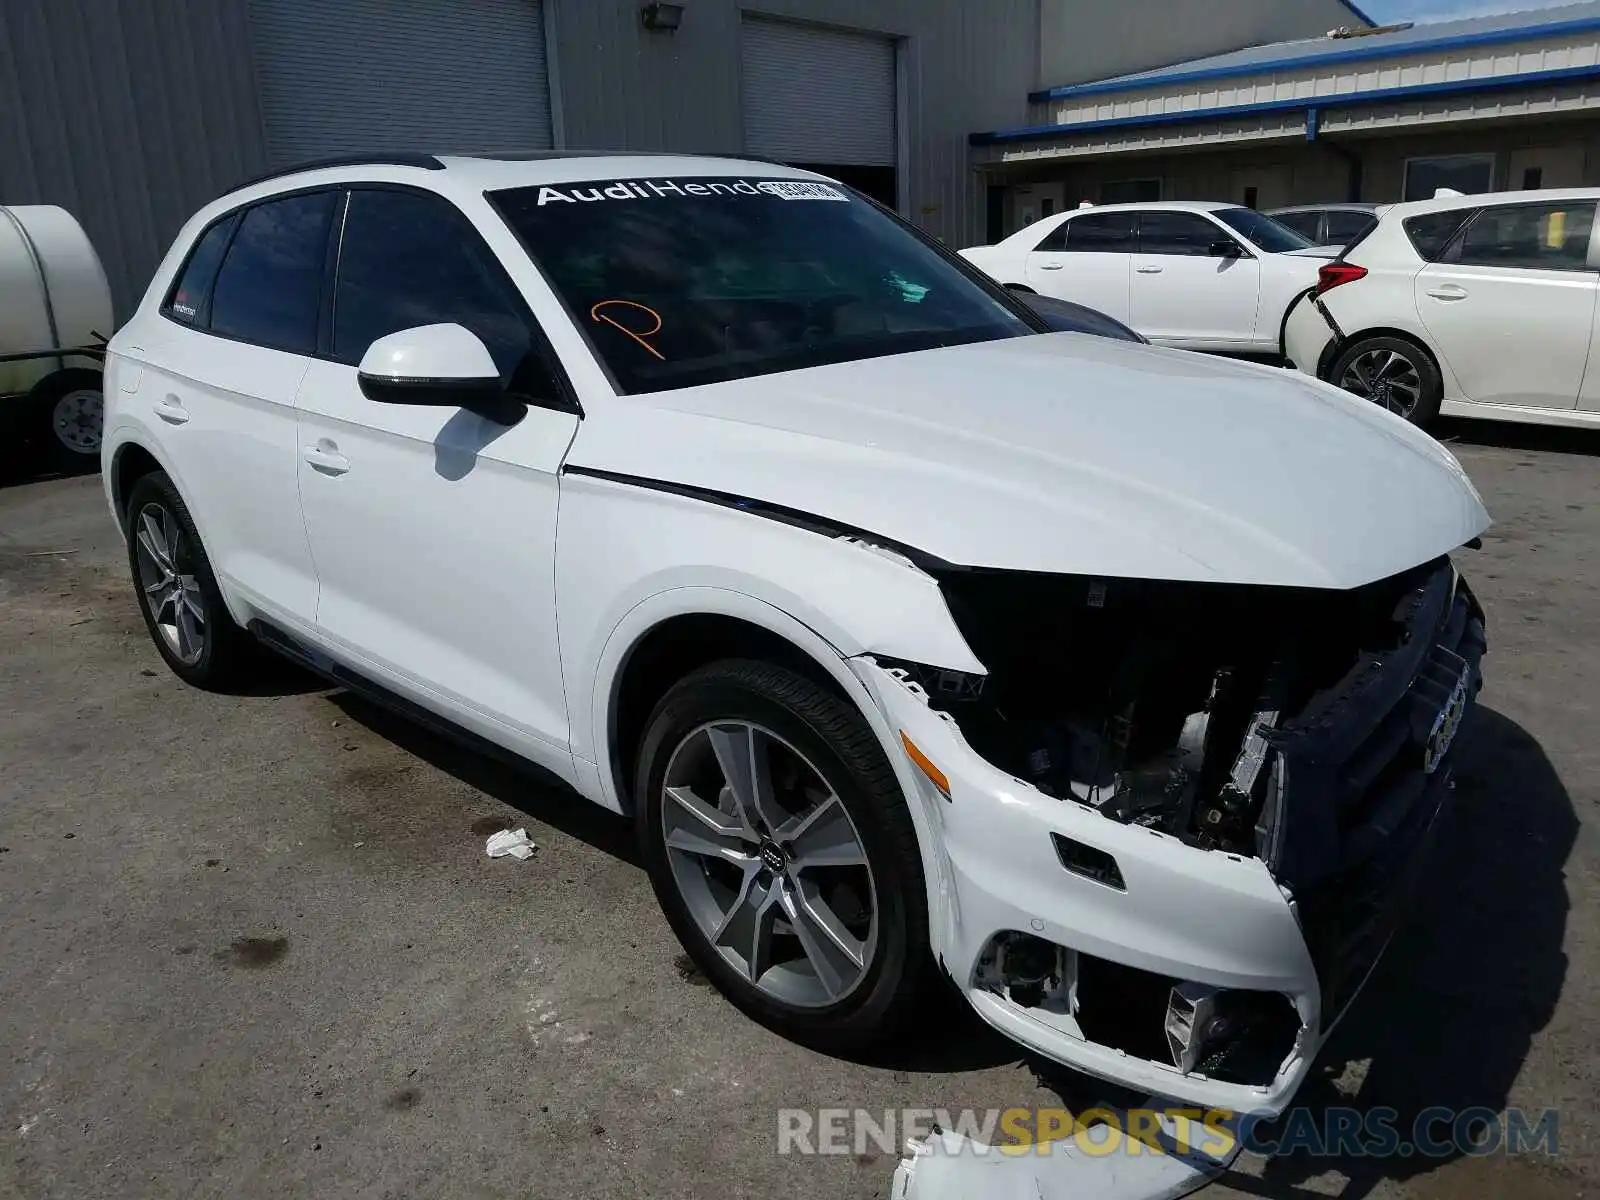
1157 206
1413 208
1334 206
1440 35
487 173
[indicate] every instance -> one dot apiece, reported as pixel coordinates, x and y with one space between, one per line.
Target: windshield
685 281
1272 236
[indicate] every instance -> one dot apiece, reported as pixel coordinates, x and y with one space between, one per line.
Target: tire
800 727
187 619
68 414
1406 369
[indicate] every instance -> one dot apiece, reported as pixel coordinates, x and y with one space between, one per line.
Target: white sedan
1471 306
912 637
1199 276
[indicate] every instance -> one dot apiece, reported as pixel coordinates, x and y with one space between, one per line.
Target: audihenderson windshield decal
653 189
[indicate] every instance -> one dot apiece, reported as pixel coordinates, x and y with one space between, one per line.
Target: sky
1388 11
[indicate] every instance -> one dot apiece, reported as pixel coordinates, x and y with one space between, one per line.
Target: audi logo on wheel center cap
772 857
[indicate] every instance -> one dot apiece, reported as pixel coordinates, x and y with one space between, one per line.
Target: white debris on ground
950 1166
514 843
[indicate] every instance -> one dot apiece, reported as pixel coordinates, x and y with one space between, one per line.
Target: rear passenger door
1511 303
433 528
1183 294
244 312
1087 259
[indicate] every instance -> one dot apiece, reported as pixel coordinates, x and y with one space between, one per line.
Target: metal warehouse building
133 113
1360 113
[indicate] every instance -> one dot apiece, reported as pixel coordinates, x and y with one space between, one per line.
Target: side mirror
443 365
1224 248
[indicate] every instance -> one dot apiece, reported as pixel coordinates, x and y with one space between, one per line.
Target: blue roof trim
1195 116
1354 53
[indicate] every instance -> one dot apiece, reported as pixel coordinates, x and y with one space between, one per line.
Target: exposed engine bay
1173 705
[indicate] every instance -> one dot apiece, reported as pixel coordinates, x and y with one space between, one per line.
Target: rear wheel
783 854
1394 373
178 595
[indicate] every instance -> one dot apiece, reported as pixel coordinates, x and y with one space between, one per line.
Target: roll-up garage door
443 76
818 97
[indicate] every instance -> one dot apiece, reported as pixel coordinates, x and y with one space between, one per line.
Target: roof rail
399 159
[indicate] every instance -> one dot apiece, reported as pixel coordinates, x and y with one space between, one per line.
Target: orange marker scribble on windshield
637 335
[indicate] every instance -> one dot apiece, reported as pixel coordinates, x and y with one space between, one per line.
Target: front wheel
1394 373
783 853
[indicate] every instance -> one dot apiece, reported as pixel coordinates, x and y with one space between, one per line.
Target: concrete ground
252 946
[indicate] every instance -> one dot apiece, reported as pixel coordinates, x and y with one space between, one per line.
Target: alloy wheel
171 593
1385 377
769 863
76 419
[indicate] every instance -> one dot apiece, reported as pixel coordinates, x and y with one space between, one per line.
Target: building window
1130 191
1469 174
1532 179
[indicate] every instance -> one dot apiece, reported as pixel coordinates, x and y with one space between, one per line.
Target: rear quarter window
190 298
1431 233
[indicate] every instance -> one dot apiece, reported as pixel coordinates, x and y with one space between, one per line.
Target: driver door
1183 294
432 528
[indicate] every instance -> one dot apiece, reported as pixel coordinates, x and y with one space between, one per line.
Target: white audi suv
916 639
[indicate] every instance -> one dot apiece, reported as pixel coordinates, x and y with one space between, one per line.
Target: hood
1068 453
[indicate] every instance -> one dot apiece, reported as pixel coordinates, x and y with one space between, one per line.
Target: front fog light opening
1030 972
1227 1035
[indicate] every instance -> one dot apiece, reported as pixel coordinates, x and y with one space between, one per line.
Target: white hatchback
1473 306
1198 276
912 637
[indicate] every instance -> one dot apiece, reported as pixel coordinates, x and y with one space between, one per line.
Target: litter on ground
513 842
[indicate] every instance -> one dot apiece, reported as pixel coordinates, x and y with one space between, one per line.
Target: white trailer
55 316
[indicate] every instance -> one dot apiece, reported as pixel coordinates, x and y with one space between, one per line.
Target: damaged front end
1307 729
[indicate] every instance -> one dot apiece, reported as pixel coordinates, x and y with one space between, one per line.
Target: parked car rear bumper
1309 333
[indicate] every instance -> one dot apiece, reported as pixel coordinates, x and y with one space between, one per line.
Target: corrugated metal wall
128 113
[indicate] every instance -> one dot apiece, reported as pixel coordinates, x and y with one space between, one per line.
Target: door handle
1051 266
1149 270
1448 291
327 459
171 410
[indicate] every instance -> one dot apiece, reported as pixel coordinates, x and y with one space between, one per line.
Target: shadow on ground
1472 975
521 786
1511 436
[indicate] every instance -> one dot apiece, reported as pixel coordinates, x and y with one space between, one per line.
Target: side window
1346 227
1431 232
191 294
1096 233
1177 233
408 259
1304 223
1056 239
1551 236
270 284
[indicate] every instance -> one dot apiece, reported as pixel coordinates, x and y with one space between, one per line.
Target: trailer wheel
68 416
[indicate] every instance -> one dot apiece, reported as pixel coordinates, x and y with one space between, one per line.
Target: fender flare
664 605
